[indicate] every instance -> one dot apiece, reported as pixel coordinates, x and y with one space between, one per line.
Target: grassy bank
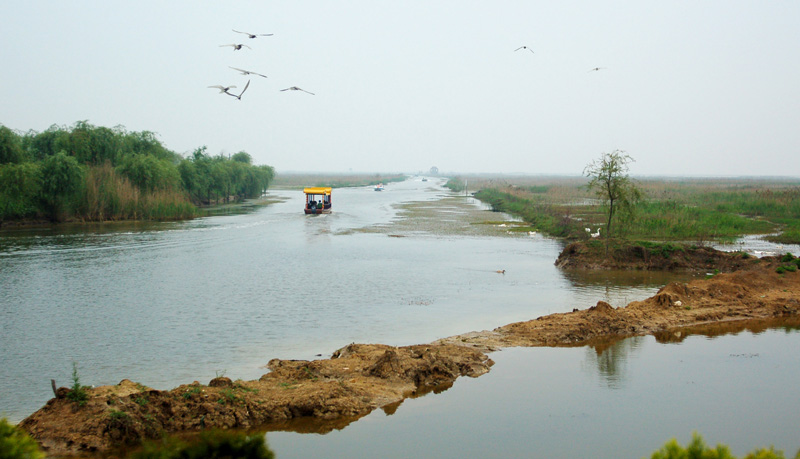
697 210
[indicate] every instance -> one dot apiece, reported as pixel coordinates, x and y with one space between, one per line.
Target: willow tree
610 182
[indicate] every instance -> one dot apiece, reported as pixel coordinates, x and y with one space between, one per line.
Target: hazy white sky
687 87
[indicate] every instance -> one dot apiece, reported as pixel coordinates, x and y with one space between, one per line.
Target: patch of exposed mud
448 215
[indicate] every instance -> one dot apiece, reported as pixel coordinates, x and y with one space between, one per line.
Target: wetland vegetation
333 180
696 210
92 173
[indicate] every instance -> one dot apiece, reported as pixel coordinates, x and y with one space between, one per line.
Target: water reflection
540 402
619 287
610 356
789 325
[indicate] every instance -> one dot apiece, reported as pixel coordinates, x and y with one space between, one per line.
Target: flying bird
295 88
596 69
224 89
253 35
240 94
523 47
236 47
247 72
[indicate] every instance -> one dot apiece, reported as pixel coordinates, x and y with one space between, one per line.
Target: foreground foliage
91 173
16 444
697 449
210 444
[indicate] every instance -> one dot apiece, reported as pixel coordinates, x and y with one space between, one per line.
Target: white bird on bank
247 72
254 35
236 46
597 234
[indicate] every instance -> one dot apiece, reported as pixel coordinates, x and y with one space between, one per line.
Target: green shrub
210 444
78 393
697 449
787 257
16 444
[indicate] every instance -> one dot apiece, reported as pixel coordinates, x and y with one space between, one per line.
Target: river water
169 303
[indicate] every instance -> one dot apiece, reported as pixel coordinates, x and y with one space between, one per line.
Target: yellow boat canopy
325 190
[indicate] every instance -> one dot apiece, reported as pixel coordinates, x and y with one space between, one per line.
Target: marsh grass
698 210
110 196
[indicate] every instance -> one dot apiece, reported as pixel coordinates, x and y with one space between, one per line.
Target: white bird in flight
240 94
596 69
224 89
524 47
253 35
247 72
295 88
236 47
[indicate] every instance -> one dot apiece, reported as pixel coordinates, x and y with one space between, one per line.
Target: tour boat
318 200
379 187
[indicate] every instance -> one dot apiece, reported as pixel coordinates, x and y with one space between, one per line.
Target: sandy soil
362 377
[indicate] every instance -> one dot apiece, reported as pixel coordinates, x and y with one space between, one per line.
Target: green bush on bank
697 449
16 444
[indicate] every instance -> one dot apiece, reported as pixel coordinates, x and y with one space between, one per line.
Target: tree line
94 173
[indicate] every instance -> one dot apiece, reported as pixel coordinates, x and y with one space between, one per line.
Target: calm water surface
624 402
166 304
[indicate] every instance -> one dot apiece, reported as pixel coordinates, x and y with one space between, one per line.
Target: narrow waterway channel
166 304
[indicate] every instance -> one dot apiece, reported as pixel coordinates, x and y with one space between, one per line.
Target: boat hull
317 211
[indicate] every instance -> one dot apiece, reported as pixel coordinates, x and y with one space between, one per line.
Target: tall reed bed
110 196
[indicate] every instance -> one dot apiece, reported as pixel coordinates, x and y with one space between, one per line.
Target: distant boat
318 200
424 179
379 187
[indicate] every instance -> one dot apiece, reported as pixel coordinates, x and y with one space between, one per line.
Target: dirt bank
650 256
354 381
360 378
754 292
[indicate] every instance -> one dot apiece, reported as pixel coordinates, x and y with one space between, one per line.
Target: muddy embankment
362 377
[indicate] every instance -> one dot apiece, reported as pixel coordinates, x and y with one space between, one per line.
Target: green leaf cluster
609 180
16 444
209 444
697 449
